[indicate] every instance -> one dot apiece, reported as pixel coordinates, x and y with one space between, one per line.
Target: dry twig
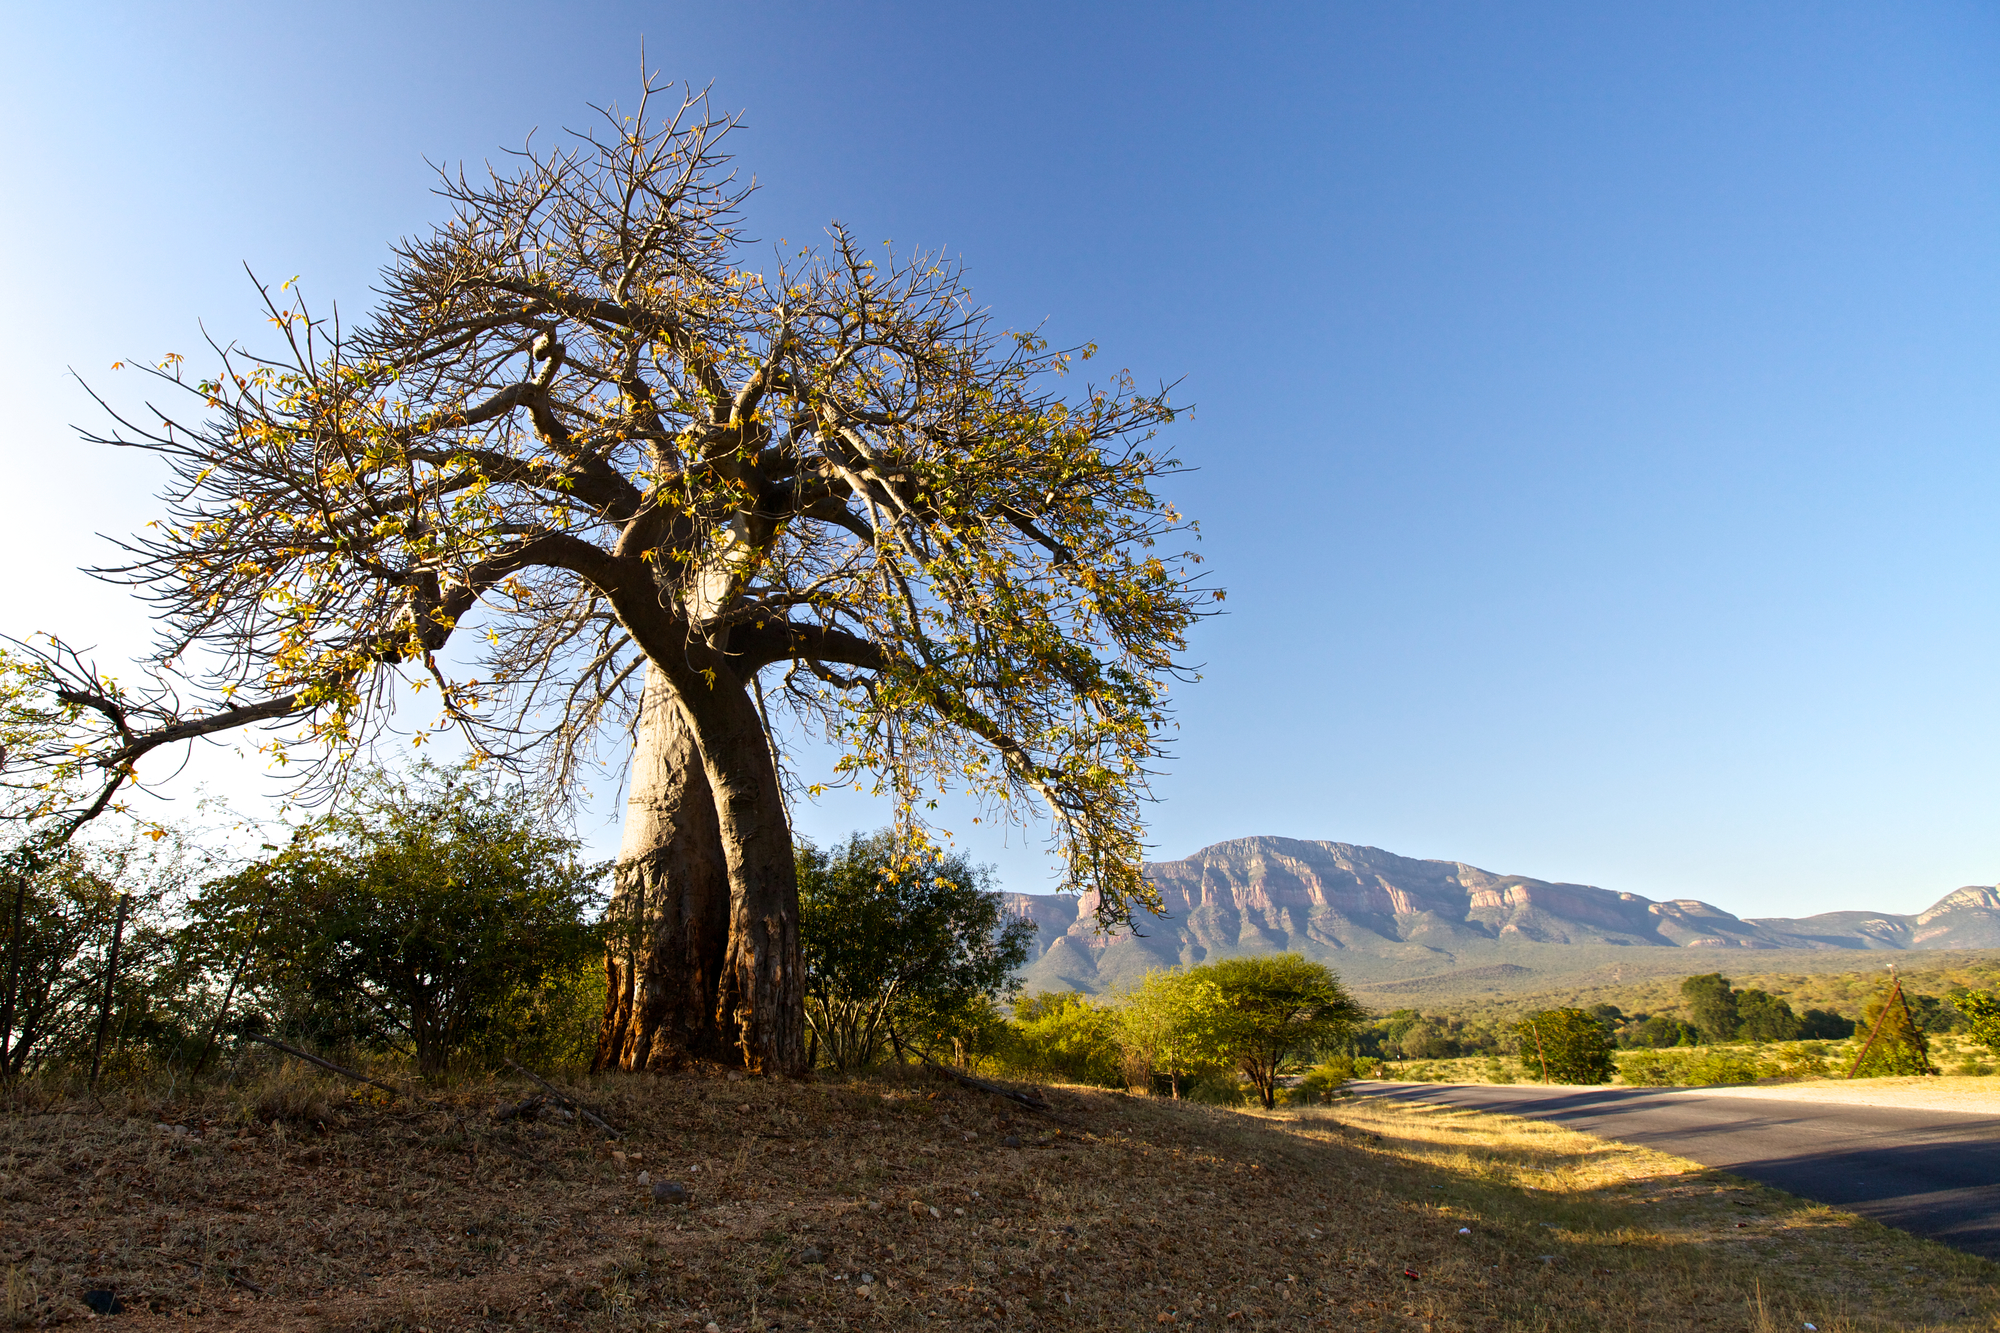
575 1106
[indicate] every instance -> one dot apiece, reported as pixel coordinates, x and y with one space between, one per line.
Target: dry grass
354 1215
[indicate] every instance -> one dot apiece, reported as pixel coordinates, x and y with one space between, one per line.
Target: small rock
971 1135
645 1179
1011 1141
668 1191
735 1076
811 1255
743 1109
1465 1231
867 1279
103 1302
617 1156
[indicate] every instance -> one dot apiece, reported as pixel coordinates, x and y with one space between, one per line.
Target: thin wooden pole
230 994
1911 1019
1536 1029
110 981
1895 993
15 944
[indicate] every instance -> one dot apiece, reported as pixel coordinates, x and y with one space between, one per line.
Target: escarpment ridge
1382 918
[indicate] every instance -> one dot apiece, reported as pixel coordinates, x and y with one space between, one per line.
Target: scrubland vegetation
950 1163
291 1200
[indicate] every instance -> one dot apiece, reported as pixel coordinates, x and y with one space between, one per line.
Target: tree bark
663 966
762 992
760 999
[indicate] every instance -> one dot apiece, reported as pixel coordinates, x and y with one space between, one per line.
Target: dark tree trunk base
663 966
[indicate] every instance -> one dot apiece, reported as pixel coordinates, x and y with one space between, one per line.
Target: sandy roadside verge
1977 1096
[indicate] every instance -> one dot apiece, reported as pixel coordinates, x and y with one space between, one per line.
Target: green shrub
1694 1069
1064 1037
1900 1045
1717 1068
1322 1083
900 943
1565 1046
1654 1069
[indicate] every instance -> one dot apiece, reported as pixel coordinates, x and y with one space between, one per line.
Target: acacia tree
1268 1013
586 468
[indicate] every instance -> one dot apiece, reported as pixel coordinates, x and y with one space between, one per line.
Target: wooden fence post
110 981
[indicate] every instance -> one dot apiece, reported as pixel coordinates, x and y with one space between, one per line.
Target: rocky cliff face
1377 915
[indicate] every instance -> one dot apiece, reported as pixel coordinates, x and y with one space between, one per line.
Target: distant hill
1390 923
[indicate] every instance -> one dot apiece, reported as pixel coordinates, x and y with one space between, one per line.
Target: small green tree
422 914
1267 1014
1765 1017
62 915
1893 1041
1566 1045
1065 1037
1164 1025
1712 1005
1982 1016
895 934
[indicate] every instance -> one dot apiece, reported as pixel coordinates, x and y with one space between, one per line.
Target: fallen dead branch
527 1107
561 1100
981 1085
330 1066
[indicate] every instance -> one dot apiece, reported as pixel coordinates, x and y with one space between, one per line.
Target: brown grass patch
899 1202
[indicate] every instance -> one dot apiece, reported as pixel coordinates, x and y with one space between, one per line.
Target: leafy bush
1658 1032
1824 1025
432 913
899 939
1565 1046
61 911
1163 1025
1322 1083
1694 1069
1064 1037
1712 1004
1982 1015
1765 1017
1899 1046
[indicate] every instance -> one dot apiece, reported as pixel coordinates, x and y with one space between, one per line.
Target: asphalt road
1935 1173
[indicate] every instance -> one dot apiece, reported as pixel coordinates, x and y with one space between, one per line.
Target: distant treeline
1712 1011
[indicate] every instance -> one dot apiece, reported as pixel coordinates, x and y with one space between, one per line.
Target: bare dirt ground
906 1201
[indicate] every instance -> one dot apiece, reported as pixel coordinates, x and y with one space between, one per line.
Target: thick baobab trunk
762 993
665 959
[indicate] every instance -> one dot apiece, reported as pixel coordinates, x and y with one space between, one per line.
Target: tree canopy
1268 1013
586 426
589 444
1566 1046
898 934
416 914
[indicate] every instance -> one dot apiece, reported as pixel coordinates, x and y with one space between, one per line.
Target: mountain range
1389 922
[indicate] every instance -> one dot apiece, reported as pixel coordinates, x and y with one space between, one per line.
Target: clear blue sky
1596 405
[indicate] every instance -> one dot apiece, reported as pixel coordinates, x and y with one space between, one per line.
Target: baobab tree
591 474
